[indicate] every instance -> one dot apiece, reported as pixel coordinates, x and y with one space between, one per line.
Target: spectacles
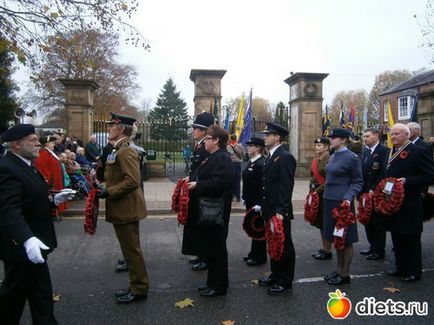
208 138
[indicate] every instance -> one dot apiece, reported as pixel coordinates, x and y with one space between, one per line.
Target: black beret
340 133
256 141
203 121
18 132
322 140
121 119
275 129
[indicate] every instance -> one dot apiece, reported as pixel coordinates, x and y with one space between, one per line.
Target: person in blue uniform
278 184
252 188
413 167
343 183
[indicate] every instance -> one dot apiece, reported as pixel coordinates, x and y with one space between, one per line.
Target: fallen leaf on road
187 302
391 289
255 282
228 322
56 297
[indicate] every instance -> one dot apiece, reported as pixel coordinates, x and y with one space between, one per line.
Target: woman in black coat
213 178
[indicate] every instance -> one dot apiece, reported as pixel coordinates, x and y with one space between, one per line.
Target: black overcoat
373 167
252 182
418 169
278 184
25 210
214 179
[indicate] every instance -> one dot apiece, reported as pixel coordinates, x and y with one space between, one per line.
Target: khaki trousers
129 239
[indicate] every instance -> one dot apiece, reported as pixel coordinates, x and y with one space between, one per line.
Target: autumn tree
89 54
280 113
8 103
261 108
427 29
348 98
26 24
169 117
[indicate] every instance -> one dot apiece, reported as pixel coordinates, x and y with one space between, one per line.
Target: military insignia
376 165
111 158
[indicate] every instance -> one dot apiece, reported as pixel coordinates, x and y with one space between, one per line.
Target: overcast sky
260 42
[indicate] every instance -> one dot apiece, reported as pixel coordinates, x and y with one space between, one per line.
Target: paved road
83 274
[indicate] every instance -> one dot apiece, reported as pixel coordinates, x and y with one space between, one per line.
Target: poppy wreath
388 204
182 215
91 212
175 195
344 217
254 225
275 238
311 205
364 208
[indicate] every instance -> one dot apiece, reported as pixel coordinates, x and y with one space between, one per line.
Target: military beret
322 140
121 119
48 137
340 133
203 121
275 129
256 141
18 132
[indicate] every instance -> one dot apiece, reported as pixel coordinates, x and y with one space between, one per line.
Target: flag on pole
240 118
341 116
351 119
413 117
326 123
227 119
216 111
390 120
247 128
365 118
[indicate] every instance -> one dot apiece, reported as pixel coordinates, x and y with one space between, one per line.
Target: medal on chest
111 158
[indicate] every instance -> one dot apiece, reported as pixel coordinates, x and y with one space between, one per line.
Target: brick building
402 97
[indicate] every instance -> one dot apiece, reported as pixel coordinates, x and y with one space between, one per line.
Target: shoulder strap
315 171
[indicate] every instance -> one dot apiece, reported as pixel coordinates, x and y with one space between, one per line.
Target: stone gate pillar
207 89
305 110
79 105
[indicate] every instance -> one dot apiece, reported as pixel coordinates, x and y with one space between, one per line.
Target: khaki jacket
126 202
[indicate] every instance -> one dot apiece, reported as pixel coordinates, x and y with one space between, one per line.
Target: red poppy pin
403 154
117 120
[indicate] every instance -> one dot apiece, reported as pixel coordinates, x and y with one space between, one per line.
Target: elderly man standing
278 183
27 233
125 205
92 150
413 167
416 139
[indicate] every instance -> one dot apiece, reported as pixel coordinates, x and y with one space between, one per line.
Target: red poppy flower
403 154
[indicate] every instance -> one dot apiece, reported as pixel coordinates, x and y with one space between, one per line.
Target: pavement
82 272
158 197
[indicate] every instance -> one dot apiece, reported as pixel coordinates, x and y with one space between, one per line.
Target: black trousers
218 273
408 254
236 186
258 251
376 234
282 271
26 281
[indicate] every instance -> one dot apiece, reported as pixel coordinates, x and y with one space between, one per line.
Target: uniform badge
111 158
375 165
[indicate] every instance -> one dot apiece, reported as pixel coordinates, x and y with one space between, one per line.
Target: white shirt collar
26 161
414 141
274 149
52 153
255 158
373 147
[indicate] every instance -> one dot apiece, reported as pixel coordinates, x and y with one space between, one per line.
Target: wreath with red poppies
364 208
275 237
91 212
254 225
311 205
180 200
344 217
388 204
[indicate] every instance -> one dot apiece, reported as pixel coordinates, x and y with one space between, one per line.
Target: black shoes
410 278
323 256
330 276
375 256
366 252
202 288
120 293
252 262
394 272
201 266
276 290
265 281
121 267
212 293
246 258
129 298
339 279
194 260
319 251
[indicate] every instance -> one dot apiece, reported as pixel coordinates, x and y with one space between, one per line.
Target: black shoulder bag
210 212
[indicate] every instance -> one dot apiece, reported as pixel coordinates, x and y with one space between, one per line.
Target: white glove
33 248
257 208
64 195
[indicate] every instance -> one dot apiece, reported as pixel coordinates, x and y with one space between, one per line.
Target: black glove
102 194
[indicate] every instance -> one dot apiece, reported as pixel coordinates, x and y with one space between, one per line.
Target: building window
405 105
385 111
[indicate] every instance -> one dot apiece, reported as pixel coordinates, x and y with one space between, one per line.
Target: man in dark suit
200 125
416 139
413 167
26 230
374 161
278 183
